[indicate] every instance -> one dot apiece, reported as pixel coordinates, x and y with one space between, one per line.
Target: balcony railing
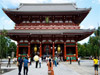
47 24
47 27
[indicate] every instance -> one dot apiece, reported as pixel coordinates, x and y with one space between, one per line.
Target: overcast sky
91 21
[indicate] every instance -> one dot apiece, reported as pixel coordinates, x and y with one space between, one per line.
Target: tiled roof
54 7
52 31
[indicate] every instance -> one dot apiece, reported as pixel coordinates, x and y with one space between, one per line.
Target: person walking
58 60
70 60
50 67
55 61
19 64
78 60
25 64
9 59
96 65
29 59
40 61
36 59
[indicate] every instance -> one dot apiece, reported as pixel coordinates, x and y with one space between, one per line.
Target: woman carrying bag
50 67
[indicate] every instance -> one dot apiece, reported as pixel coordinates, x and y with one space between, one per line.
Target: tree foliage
92 47
12 48
5 45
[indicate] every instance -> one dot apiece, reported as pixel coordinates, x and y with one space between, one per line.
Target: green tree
81 50
12 48
3 44
92 47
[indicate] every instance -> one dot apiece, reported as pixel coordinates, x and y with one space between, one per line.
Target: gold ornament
35 49
59 48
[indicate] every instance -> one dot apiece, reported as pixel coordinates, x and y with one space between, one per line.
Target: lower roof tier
64 34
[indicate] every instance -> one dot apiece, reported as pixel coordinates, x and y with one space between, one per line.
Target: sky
91 21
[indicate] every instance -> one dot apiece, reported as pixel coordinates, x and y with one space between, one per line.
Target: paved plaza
64 68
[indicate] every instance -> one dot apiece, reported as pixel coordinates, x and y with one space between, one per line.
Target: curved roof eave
78 10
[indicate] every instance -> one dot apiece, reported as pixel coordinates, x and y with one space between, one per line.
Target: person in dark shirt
19 64
26 64
70 60
9 59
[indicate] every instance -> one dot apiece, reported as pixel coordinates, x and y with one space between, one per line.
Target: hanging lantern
35 48
58 48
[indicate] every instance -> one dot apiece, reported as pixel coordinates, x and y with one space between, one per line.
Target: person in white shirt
78 60
40 61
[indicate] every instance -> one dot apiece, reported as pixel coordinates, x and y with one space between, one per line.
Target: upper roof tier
54 9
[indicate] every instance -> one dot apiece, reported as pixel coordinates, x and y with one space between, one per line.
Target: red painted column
65 50
40 49
17 52
76 52
53 51
29 49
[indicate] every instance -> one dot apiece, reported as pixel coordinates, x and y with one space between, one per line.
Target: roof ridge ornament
74 5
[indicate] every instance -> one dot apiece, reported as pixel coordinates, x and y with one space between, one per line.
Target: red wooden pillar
65 50
53 51
76 52
29 49
17 50
40 49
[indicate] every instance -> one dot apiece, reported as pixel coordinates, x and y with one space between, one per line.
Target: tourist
40 61
50 67
46 59
9 59
56 61
29 59
14 60
53 60
70 60
36 59
19 64
61 58
78 60
96 65
25 64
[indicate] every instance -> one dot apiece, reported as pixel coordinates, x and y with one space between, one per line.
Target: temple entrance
47 50
71 52
23 51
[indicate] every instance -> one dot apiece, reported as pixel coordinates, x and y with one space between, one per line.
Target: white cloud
9 3
6 23
93 1
62 1
82 27
46 1
2 18
84 41
30 1
14 41
88 27
91 27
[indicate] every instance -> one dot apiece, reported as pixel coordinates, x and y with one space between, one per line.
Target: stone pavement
86 68
59 70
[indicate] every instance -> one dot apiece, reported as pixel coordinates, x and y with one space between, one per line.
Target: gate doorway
46 50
